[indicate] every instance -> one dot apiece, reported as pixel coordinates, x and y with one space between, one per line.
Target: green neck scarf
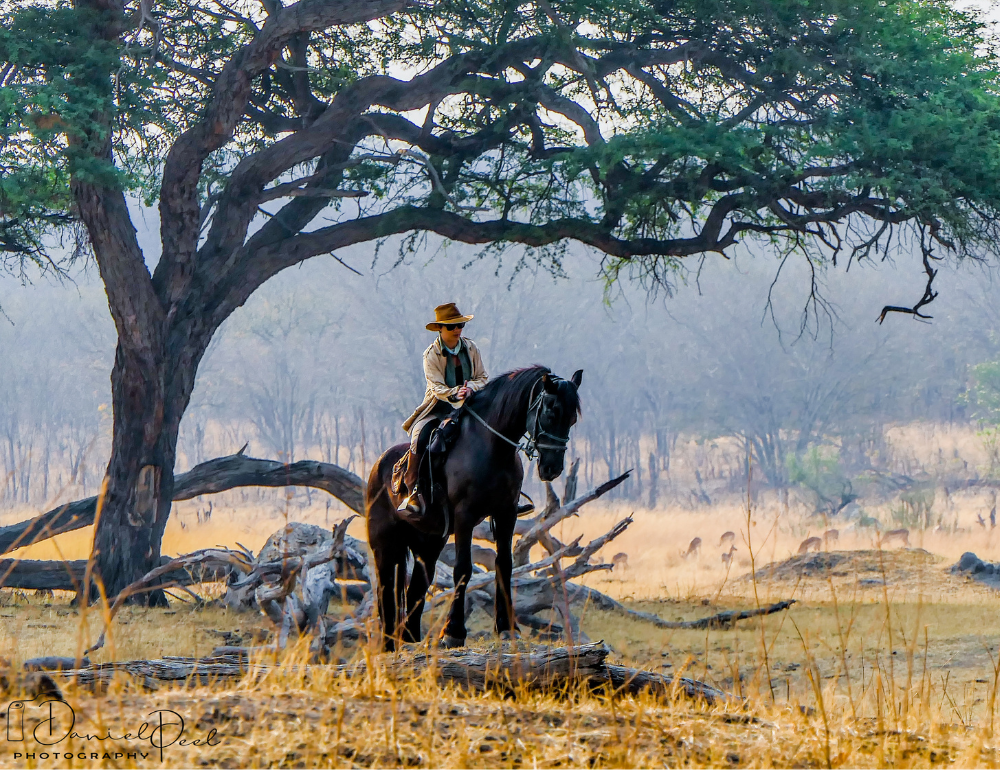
458 368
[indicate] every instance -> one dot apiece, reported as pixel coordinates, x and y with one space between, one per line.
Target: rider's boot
413 503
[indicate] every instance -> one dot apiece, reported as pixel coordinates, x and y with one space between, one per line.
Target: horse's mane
501 397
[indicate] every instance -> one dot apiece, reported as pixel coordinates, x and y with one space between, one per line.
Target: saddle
433 444
398 471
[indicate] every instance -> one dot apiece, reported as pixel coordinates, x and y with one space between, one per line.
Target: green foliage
55 81
985 391
820 472
983 396
915 509
795 122
882 92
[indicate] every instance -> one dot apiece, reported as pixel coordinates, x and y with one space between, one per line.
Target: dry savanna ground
886 659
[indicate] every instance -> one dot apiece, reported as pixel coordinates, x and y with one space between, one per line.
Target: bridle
532 428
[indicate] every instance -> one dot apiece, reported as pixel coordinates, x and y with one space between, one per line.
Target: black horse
482 476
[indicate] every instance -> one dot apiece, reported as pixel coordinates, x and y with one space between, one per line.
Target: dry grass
816 717
887 659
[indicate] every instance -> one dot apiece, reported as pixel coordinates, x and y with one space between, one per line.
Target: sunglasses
452 327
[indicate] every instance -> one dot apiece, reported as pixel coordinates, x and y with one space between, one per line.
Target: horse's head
549 421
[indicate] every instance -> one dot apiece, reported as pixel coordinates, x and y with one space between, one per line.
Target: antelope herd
828 541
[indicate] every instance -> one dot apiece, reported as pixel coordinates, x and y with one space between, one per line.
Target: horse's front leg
454 630
506 621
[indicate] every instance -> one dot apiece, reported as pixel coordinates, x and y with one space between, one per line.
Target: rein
532 445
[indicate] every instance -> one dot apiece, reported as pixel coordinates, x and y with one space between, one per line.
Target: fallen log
55 663
209 477
68 575
588 596
725 619
558 669
150 673
635 681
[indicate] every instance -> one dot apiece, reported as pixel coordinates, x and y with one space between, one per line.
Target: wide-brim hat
447 314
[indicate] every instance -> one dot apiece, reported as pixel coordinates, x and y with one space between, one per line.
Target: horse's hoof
510 636
451 642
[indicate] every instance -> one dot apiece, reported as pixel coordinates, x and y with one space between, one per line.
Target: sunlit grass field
891 662
887 660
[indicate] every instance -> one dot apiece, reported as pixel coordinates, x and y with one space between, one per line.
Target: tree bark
139 483
139 480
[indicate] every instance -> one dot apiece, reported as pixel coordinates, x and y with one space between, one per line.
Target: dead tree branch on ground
212 476
543 669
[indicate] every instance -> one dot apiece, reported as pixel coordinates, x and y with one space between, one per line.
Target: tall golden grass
887 660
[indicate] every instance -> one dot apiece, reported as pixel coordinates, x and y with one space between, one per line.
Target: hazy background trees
325 363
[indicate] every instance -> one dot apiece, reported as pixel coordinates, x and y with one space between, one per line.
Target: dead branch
209 477
582 563
315 570
212 557
69 575
546 669
928 296
546 521
727 619
535 592
238 470
292 565
524 526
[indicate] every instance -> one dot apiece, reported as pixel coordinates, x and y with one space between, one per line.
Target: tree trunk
139 480
149 401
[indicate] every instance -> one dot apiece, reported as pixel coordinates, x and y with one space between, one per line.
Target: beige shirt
435 363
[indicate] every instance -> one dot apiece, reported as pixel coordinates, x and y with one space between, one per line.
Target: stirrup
413 504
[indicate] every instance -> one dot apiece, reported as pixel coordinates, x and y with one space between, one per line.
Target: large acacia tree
652 131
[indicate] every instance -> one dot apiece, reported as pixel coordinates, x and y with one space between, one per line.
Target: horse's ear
577 377
549 383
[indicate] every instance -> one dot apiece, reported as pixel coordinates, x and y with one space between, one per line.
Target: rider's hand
464 392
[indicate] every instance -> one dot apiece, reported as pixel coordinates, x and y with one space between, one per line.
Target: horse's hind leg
390 563
424 560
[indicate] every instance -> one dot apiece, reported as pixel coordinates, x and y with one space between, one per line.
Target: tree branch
179 207
929 295
209 477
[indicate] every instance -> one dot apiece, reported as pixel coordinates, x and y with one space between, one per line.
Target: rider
454 370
